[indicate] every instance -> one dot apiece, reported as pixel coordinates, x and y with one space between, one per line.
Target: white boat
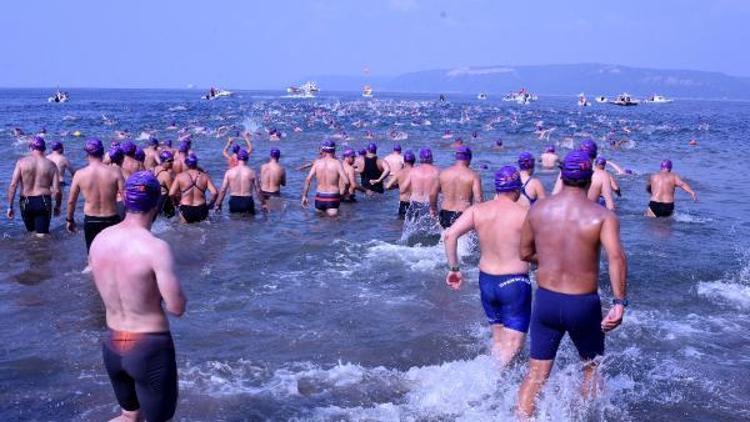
601 99
481 96
214 94
582 101
625 99
658 99
59 97
521 97
367 91
307 90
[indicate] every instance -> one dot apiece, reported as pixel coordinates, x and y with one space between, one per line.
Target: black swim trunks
92 226
403 206
194 213
325 201
143 372
241 205
36 212
661 209
267 195
447 218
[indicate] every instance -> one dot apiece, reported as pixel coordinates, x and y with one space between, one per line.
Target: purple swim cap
275 153
166 156
184 147
348 152
242 155
168 143
139 155
409 157
38 144
363 152
57 146
507 179
499 142
153 142
142 192
328 146
235 148
116 155
397 147
550 148
129 148
94 148
372 148
114 143
666 165
425 155
526 161
600 162
589 146
463 153
191 161
576 166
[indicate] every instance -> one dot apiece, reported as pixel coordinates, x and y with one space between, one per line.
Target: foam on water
733 289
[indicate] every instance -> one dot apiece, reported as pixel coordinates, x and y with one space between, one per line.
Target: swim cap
373 148
142 192
409 157
94 148
57 146
153 142
348 152
38 144
129 148
168 143
507 179
499 142
139 155
235 148
191 161
397 147
166 156
463 153
116 155
425 155
328 146
526 161
589 146
242 155
459 141
275 153
666 165
363 152
600 162
550 148
576 166
114 143
183 147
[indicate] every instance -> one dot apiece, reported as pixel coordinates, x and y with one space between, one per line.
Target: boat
582 101
658 99
367 91
521 97
625 99
481 96
214 94
307 90
59 97
601 99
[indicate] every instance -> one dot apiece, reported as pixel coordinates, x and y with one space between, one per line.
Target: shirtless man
134 275
100 185
189 190
601 185
272 178
231 157
152 154
395 162
461 187
590 148
662 186
39 181
532 189
58 157
564 233
130 164
399 178
351 177
550 160
423 183
331 181
373 170
165 176
240 181
503 277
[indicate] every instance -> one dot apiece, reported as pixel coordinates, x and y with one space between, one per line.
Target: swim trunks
92 226
241 204
267 195
447 218
121 209
554 314
417 210
403 206
36 212
661 209
143 372
194 213
349 198
325 201
506 299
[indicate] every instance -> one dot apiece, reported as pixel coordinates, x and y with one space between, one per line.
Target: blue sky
271 44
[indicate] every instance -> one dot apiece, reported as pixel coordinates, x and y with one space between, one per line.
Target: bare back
498 224
62 163
37 175
329 172
240 180
458 184
272 176
404 192
424 183
100 185
601 185
131 165
663 185
395 162
549 160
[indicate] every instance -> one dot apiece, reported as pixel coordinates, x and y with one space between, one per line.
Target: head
508 182
37 144
409 157
58 147
328 147
526 162
600 162
167 143
576 169
153 142
499 142
191 161
550 149
235 148
129 148
372 148
425 156
397 148
139 155
94 148
243 156
349 155
184 147
463 153
589 147
116 155
666 165
166 158
142 192
362 152
275 154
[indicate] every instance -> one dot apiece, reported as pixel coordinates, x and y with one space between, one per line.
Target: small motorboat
481 96
59 97
307 90
625 99
214 94
601 99
658 99
367 91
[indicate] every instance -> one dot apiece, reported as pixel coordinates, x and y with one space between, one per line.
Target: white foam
735 294
690 218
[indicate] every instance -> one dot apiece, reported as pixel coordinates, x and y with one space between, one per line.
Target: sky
272 44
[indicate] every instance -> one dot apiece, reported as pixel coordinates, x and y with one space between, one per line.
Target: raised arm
461 226
225 152
248 142
618 268
169 286
527 248
12 189
684 186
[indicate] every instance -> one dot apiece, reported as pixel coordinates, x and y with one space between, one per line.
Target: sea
294 316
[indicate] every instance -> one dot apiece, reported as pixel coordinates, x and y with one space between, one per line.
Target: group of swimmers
126 188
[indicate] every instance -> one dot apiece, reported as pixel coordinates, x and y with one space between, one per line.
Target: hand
374 181
218 209
305 201
56 211
71 226
613 318
695 198
454 279
10 213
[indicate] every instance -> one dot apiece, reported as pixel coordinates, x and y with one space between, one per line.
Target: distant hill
592 79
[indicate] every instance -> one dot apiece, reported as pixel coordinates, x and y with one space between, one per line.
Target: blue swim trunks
506 299
556 313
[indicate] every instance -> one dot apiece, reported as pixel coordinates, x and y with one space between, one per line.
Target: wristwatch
623 302
69 220
454 268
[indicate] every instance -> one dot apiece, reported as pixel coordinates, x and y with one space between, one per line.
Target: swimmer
504 282
183 149
662 186
331 178
100 185
498 144
272 178
134 275
129 164
601 185
240 181
550 159
590 148
373 170
235 148
395 162
40 181
189 190
152 154
457 143
359 162
58 157
563 234
404 195
423 183
532 189
165 176
461 187
351 177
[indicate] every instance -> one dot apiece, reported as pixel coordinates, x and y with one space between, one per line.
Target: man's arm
558 185
607 194
392 181
283 177
174 190
343 179
225 152
684 186
648 185
75 189
461 226
56 191
308 182
166 280
539 189
211 188
527 247
248 141
434 197
618 268
12 189
222 191
384 174
476 189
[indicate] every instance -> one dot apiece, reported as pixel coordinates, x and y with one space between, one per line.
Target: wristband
623 302
69 220
454 268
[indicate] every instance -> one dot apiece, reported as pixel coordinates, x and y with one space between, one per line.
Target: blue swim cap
38 144
373 148
191 161
589 146
363 152
166 156
168 143
463 153
328 146
348 152
507 179
116 155
275 153
666 165
397 147
409 157
242 155
235 148
576 166
153 142
425 155
94 148
499 142
550 148
129 148
139 155
57 146
184 146
600 162
526 161
142 192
